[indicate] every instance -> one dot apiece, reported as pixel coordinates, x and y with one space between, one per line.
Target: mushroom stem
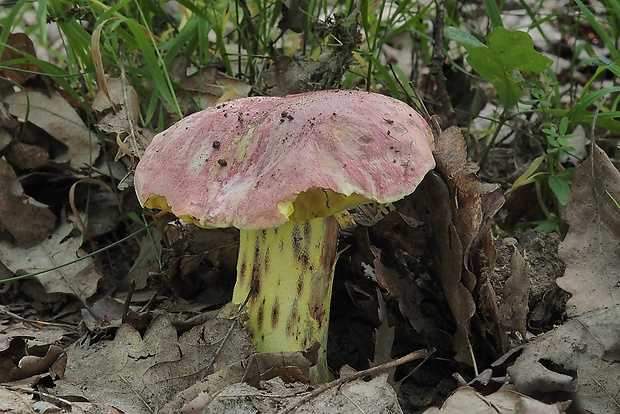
285 274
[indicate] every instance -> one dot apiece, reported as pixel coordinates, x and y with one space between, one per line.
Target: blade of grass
494 13
156 71
167 90
598 28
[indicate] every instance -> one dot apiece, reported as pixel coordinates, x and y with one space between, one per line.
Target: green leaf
515 50
563 126
529 175
459 36
546 226
506 51
560 189
489 66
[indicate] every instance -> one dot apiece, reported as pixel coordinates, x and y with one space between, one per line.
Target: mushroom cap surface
255 163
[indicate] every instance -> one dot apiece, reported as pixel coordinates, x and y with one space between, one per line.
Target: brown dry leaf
110 372
195 398
148 259
104 313
19 400
5 137
291 74
27 220
37 335
289 366
205 87
123 122
447 253
139 374
407 233
120 93
466 400
52 113
79 279
30 365
204 349
375 396
473 204
400 288
28 349
26 156
514 305
96 55
18 73
15 402
591 249
581 357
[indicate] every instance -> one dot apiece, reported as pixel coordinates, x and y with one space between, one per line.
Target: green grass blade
598 27
494 14
156 70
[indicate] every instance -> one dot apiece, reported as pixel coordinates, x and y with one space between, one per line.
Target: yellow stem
286 275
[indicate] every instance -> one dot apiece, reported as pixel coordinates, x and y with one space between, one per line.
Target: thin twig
58 401
356 375
15 316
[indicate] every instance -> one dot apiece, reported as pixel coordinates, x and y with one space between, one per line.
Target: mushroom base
284 277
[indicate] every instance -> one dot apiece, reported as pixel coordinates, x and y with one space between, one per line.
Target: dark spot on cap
216 144
222 162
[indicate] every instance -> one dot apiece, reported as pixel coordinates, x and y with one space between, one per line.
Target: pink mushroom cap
256 163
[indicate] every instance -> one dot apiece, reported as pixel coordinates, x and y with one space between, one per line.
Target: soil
539 249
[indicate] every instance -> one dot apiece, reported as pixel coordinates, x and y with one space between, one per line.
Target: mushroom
279 169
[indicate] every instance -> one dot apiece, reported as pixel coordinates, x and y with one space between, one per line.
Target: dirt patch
546 300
